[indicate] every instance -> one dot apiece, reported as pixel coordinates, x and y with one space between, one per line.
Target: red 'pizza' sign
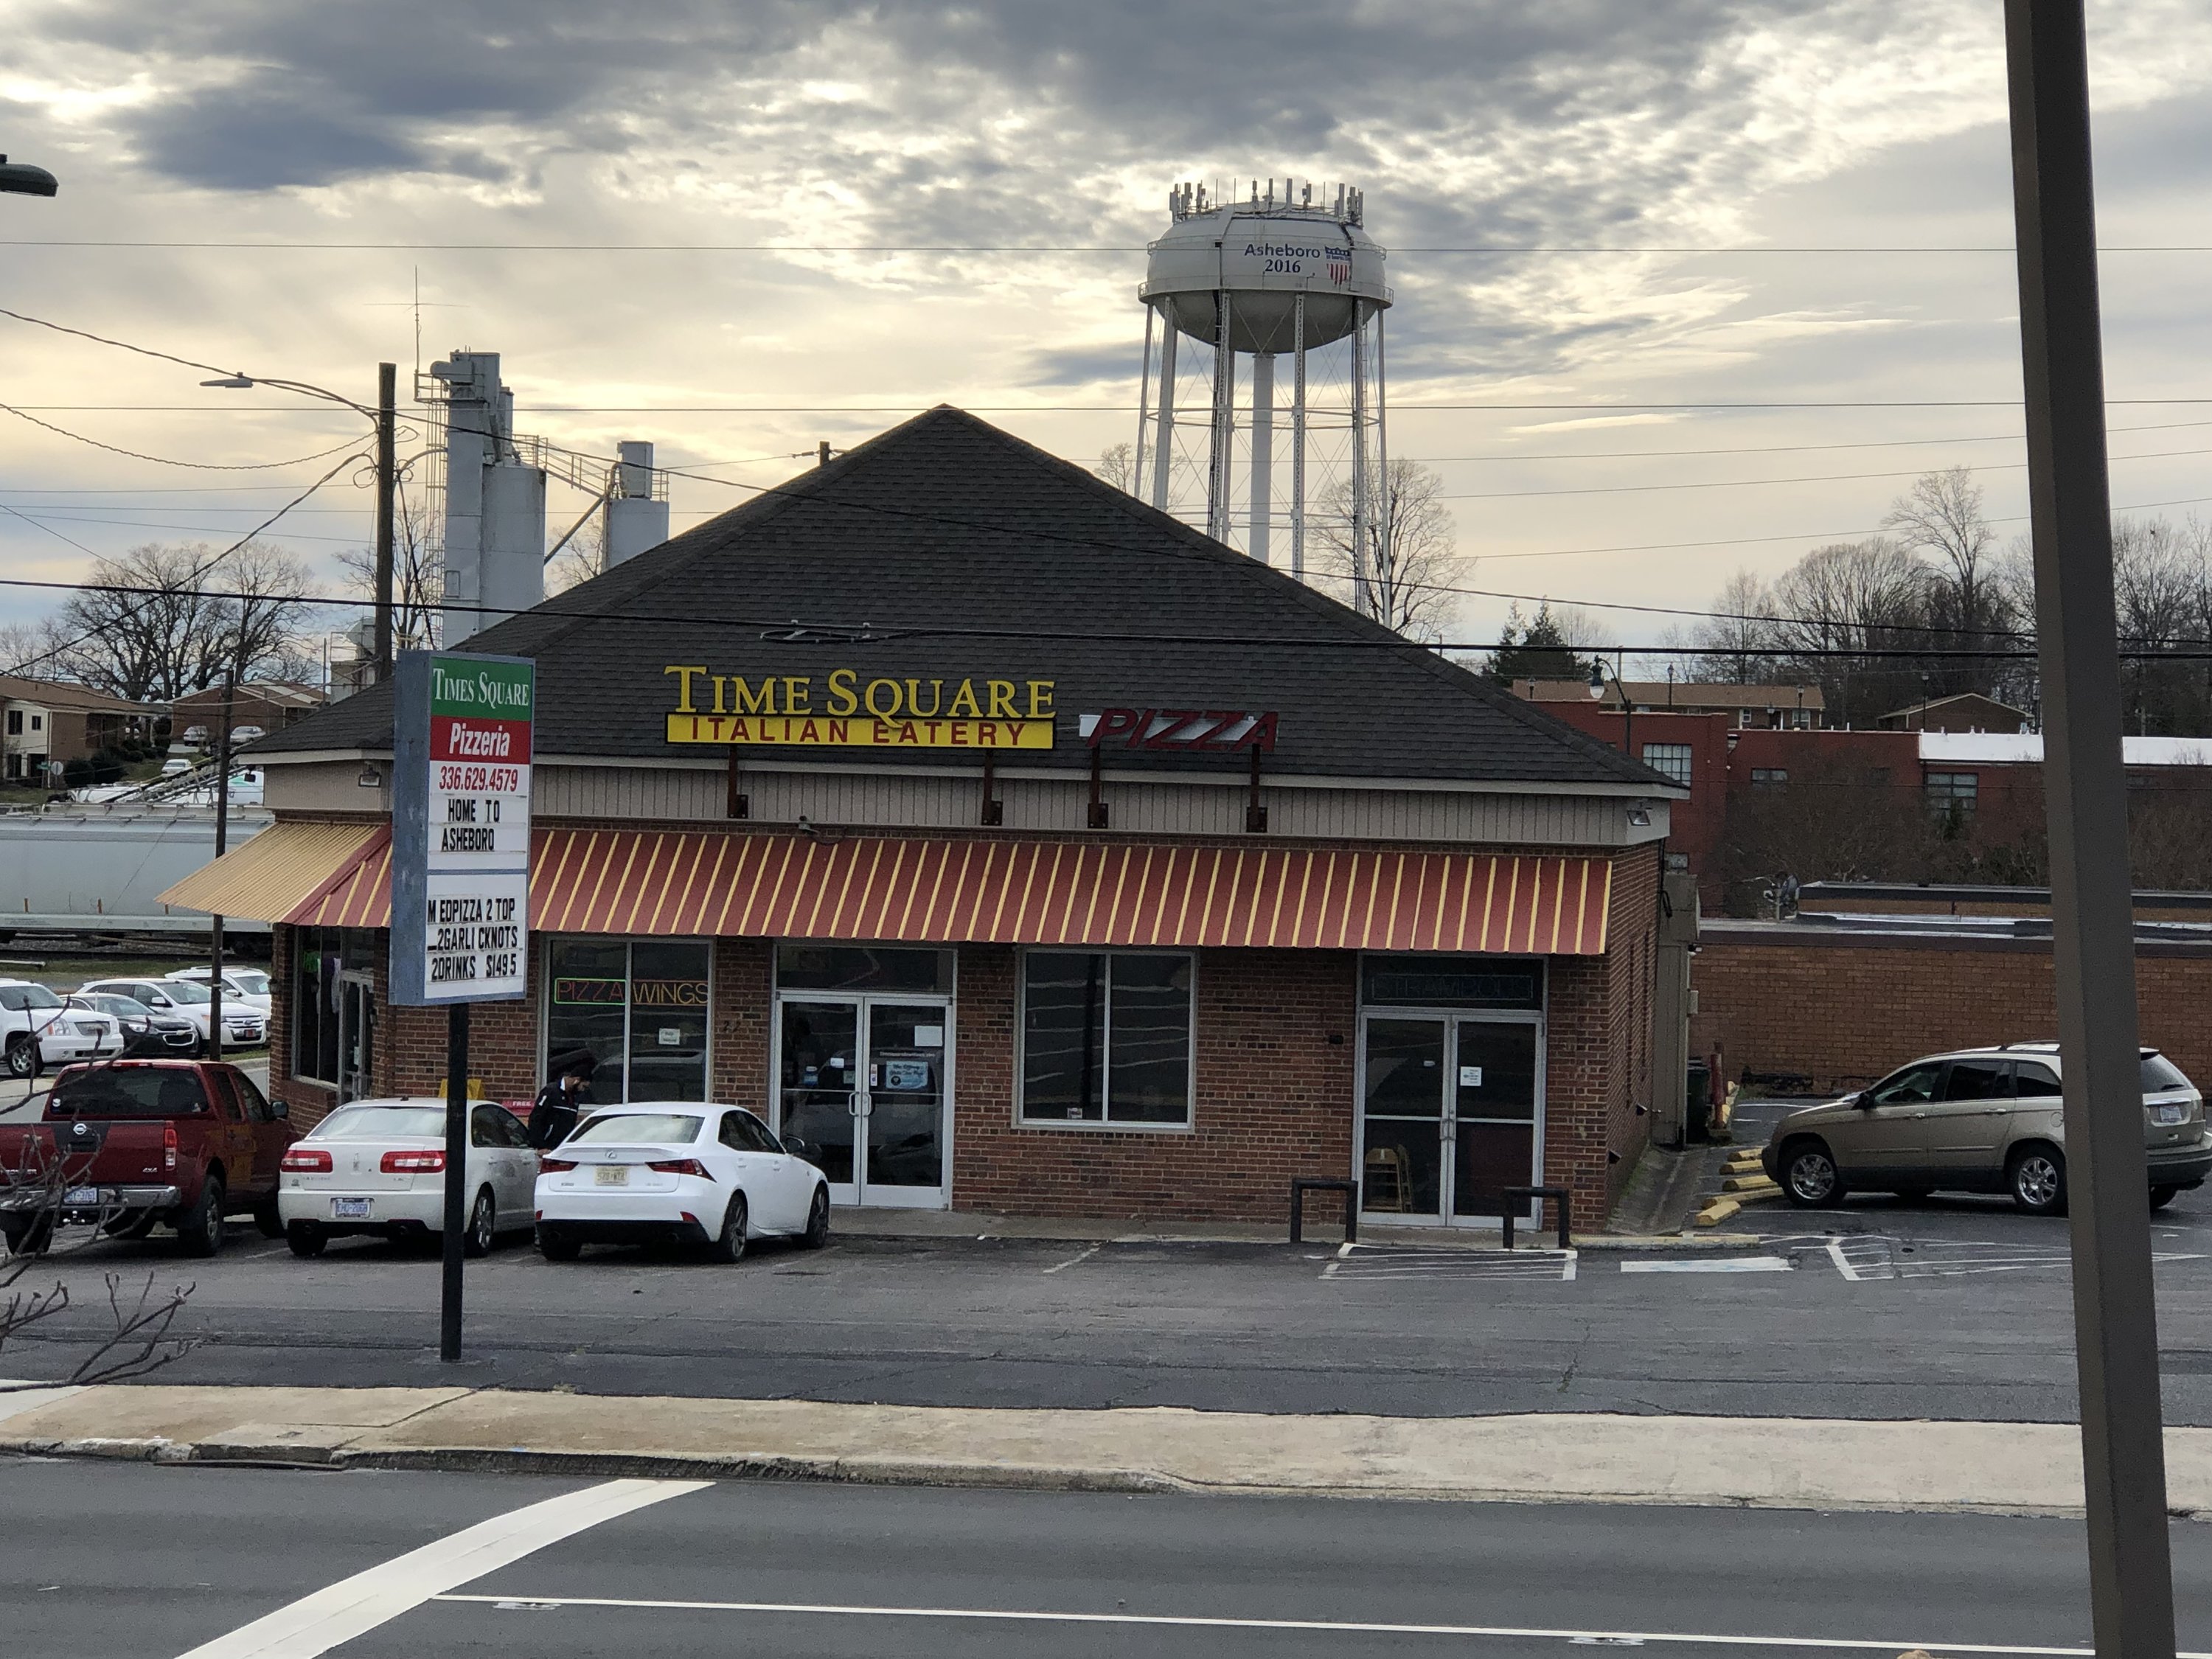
1221 731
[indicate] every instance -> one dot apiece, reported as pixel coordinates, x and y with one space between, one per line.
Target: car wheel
729 1245
1809 1177
19 1056
130 1225
555 1245
2037 1177
306 1239
2162 1196
484 1226
817 1221
199 1229
35 1237
267 1216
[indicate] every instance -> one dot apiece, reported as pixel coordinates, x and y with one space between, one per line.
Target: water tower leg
1144 407
1224 418
1164 424
1385 563
1359 457
1299 438
1263 453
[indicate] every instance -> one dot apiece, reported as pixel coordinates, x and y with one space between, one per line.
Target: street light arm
21 179
245 382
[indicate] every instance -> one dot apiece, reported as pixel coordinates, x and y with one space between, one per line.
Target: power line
121 345
165 461
1488 250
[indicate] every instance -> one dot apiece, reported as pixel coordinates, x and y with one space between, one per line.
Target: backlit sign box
460 826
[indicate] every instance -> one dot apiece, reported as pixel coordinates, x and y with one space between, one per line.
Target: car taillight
168 1145
305 1160
555 1165
679 1166
411 1162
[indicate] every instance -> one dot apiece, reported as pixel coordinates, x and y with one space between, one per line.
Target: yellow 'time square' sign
849 712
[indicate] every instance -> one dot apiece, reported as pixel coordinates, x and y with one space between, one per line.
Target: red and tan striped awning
920 890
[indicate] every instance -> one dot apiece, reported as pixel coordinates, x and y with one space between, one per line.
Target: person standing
560 1103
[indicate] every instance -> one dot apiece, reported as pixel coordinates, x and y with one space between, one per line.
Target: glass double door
1450 1115
862 1081
356 1037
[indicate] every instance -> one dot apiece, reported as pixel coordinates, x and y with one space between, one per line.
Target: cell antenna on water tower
1273 275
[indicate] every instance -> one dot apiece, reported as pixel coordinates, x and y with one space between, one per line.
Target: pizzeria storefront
1055 924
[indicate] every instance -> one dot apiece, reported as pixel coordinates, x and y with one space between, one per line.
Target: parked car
679 1170
176 767
245 1024
145 1033
1978 1120
31 1012
142 1143
246 733
247 987
195 737
379 1166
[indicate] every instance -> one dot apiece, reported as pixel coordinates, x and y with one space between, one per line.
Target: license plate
610 1175
349 1209
2178 1112
81 1195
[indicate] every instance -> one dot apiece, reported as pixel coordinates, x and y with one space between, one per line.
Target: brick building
48 723
1059 861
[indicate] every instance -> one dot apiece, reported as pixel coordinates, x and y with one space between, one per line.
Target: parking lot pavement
436 1564
1955 1310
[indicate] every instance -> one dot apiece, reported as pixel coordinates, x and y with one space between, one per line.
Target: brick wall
1599 1047
1275 1099
1845 1011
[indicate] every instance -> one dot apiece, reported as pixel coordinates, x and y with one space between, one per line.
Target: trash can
1697 1105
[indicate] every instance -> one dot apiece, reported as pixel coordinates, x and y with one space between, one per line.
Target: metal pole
1299 438
1225 408
221 843
1386 562
2085 795
387 486
1262 503
1144 407
1359 459
456 1176
1164 424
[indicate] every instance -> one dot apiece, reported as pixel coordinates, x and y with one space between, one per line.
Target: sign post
460 876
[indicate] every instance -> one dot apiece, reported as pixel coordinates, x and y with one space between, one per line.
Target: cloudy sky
328 159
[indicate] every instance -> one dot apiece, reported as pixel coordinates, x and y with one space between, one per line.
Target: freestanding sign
460 880
460 828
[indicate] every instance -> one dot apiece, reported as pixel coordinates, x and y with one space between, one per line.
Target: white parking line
1728 1264
315 1623
1081 1255
1842 1262
1333 1626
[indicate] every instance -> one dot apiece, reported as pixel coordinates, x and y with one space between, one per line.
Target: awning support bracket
737 804
1255 809
995 811
1099 815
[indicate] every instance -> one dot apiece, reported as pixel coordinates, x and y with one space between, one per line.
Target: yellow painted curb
1749 1184
1717 1212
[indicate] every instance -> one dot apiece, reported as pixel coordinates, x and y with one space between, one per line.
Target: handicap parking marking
1372 1261
1859 1258
1724 1264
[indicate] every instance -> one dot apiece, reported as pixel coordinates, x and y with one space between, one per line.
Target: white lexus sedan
685 1171
379 1166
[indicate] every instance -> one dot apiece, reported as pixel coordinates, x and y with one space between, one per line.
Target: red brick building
1059 861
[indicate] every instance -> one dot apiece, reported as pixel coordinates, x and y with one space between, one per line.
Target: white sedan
379 1166
681 1171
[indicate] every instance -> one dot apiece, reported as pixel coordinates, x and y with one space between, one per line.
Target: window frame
1105 1123
628 942
1686 753
1949 796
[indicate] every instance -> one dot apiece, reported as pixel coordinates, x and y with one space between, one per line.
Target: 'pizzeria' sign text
846 711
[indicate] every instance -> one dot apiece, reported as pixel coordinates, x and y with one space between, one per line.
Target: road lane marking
1330 1626
1735 1264
338 1612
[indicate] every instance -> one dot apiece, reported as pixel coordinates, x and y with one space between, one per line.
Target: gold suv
1979 1121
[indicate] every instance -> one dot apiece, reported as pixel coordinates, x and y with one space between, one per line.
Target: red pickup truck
176 1142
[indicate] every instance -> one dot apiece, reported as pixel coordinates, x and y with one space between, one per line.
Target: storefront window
1445 982
639 1006
861 968
321 958
1106 1037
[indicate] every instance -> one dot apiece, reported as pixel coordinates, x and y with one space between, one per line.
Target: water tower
1271 276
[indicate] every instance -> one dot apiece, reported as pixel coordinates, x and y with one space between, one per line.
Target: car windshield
128 1007
183 990
128 1091
253 984
381 1123
21 998
2160 1074
666 1128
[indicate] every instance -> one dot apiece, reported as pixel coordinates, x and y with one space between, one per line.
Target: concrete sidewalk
1323 1226
1772 1463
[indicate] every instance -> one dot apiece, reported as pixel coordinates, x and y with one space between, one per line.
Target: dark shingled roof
946 523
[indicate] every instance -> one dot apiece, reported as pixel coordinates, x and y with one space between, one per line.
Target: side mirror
796 1145
1863 1100
278 1108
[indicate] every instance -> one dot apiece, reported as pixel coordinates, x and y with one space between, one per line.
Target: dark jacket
553 1116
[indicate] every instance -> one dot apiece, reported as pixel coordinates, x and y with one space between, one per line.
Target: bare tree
1855 612
264 611
580 558
32 649
1736 638
146 646
418 578
1408 571
1118 466
1940 519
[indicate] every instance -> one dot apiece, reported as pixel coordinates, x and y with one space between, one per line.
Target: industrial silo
1271 276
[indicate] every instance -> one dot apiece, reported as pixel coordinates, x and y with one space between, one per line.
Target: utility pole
387 485
2085 796
222 842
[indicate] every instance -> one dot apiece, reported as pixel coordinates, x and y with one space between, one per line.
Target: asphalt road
187 1556
1954 1309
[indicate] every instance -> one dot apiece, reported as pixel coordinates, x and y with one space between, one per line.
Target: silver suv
1977 1121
